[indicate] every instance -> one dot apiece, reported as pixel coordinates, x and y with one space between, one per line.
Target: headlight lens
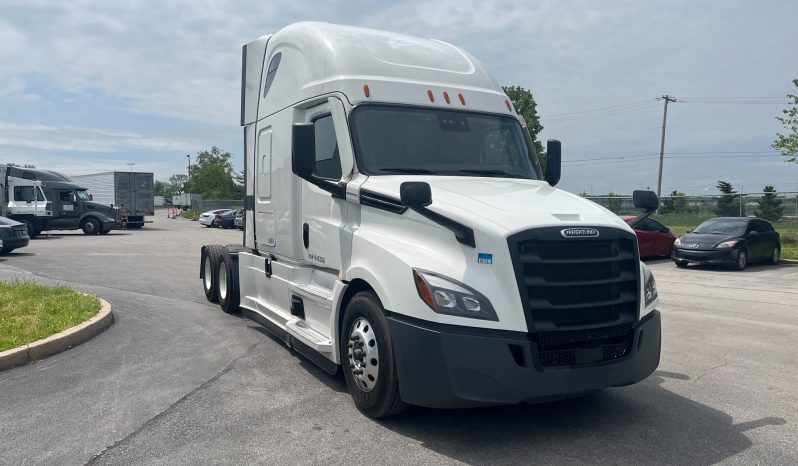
678 242
727 244
650 289
447 296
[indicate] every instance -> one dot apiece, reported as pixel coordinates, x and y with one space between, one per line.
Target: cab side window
328 161
64 196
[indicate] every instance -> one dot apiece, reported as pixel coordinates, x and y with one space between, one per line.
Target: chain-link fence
692 210
204 205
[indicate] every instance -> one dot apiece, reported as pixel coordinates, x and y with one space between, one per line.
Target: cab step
300 329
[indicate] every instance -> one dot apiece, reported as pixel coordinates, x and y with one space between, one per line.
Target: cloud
76 139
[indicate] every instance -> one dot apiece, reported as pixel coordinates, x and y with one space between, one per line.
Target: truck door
323 216
65 208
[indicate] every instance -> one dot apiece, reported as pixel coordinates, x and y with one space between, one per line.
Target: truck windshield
401 140
83 195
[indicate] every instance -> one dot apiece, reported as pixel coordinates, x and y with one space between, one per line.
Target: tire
742 260
208 261
90 226
681 264
374 387
6 250
32 231
227 279
776 255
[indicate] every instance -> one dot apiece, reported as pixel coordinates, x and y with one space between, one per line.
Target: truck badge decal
484 258
579 233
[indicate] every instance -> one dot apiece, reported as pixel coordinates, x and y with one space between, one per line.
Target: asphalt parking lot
175 380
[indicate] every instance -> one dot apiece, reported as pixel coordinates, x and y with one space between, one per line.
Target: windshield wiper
493 172
416 171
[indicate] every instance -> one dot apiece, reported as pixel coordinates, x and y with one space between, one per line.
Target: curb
61 341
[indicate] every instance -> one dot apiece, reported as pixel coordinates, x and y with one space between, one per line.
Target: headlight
650 289
650 296
727 244
447 296
678 242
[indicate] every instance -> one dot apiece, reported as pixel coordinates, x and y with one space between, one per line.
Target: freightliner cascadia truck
399 228
46 200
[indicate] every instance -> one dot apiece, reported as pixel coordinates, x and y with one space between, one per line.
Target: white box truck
398 226
130 192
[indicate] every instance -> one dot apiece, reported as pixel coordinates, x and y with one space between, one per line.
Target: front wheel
91 226
776 255
368 359
742 260
32 231
681 264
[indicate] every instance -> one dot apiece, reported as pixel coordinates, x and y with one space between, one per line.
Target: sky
90 86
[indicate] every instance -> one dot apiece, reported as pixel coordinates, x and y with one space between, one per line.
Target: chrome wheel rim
207 275
741 259
222 281
363 354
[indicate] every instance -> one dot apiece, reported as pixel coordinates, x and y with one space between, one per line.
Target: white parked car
206 218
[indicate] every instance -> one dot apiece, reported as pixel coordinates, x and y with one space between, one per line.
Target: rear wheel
227 283
368 359
681 264
208 262
776 255
742 260
32 231
91 226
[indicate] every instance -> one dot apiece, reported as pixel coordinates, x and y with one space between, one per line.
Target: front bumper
456 367
714 256
109 224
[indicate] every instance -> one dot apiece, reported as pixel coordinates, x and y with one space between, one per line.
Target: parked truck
185 200
398 226
130 192
46 200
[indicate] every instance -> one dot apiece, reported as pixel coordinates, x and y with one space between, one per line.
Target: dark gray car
733 241
13 234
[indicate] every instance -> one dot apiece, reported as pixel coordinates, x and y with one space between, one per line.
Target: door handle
305 235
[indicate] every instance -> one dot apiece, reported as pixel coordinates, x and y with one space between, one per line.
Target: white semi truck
398 225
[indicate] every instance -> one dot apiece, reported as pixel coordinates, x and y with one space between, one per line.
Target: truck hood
507 204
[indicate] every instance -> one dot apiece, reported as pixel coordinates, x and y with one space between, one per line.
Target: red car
653 238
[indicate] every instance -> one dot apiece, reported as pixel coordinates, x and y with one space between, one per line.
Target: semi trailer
130 192
46 200
398 227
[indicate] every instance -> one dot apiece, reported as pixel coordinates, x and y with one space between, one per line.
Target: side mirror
753 233
91 197
415 194
646 200
553 161
303 150
688 231
72 198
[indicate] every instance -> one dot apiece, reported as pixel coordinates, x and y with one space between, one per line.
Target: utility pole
667 99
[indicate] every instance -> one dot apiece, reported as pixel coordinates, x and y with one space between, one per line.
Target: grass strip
30 311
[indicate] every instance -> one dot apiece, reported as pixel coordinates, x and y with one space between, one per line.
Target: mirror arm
637 220
464 234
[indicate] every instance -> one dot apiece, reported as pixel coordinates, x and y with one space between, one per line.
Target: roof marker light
431 97
446 97
366 90
462 98
509 106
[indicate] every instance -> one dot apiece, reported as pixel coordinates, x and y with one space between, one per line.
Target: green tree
524 103
177 184
787 143
162 188
676 202
212 175
769 206
727 205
